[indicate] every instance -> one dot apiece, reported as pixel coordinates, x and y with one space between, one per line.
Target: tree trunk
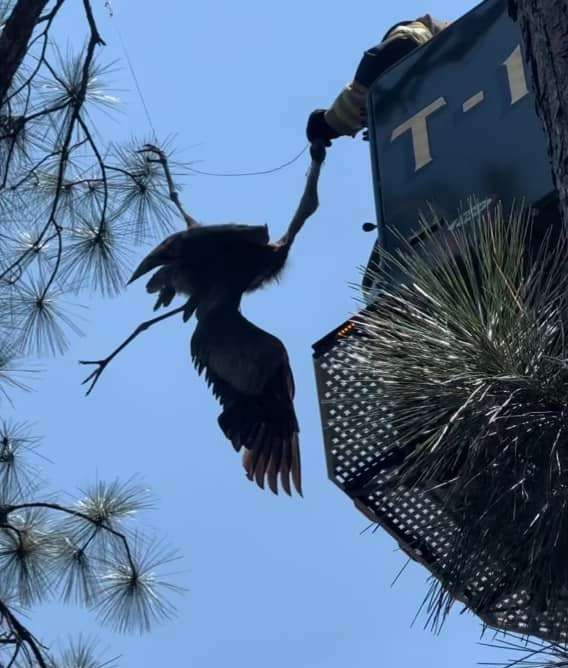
14 39
544 29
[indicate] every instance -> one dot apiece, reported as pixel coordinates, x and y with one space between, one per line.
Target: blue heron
247 368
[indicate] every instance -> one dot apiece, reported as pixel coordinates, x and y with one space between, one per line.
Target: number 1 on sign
516 76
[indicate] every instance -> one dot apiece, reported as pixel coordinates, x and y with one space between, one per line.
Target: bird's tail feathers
270 443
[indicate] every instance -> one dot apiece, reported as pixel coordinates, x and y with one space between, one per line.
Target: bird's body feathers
201 259
247 368
249 373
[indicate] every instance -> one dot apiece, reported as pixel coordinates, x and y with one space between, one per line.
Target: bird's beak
147 264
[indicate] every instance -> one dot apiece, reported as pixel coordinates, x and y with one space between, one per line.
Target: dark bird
247 368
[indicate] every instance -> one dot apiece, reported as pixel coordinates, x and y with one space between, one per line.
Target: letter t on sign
418 125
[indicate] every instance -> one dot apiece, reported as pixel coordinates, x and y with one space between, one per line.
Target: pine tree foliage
72 208
467 347
89 553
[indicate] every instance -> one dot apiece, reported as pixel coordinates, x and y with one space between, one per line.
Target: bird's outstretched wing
197 252
183 246
249 372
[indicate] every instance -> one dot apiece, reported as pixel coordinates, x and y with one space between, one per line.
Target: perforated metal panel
365 467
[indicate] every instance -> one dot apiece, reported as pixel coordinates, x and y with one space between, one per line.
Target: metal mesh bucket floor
421 521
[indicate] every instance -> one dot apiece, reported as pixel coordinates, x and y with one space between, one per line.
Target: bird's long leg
173 193
309 201
187 310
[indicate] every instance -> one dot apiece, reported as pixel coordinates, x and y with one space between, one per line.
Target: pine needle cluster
72 208
88 553
467 346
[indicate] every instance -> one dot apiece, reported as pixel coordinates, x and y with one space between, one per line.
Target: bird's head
147 264
164 253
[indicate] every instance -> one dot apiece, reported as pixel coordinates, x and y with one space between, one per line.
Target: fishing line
259 173
137 84
132 72
262 172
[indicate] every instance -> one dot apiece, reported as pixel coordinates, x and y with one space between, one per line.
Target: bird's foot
152 148
93 377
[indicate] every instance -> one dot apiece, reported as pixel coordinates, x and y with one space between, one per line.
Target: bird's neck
217 300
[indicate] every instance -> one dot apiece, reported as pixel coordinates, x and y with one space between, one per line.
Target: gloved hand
318 129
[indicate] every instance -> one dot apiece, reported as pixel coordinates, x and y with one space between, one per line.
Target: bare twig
23 634
92 24
94 40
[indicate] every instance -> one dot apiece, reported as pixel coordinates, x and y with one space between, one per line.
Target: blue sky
271 581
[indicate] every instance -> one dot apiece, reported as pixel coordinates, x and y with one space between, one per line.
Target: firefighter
347 115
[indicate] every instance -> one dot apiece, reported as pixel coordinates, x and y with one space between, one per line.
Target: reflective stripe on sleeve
344 115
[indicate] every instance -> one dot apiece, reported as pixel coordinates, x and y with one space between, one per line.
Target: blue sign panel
456 119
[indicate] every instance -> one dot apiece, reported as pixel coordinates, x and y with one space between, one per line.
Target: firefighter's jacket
347 114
